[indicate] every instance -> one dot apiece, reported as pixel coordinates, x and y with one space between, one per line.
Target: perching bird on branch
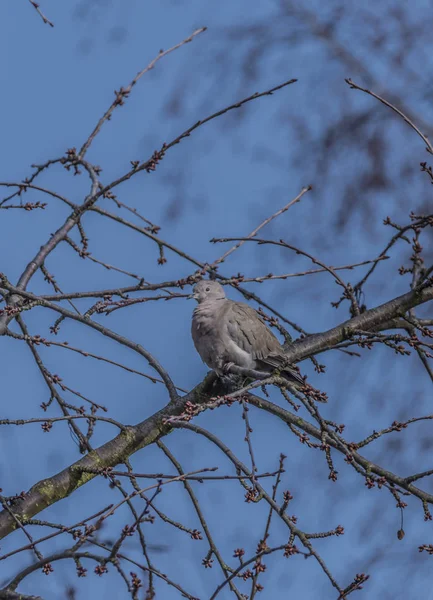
227 333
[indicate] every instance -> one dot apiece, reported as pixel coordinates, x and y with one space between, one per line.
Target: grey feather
227 332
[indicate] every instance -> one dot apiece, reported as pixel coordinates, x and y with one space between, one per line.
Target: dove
228 333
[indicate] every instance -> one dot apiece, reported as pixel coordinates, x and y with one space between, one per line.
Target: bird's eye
208 289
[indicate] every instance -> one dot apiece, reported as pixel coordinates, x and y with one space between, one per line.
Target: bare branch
41 14
263 224
123 93
426 141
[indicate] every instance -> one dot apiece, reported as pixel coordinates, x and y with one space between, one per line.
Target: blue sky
222 181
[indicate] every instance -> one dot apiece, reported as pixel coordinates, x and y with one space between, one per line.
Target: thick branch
9 595
133 438
370 320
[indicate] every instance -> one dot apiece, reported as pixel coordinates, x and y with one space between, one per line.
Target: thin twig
124 92
426 141
259 227
43 17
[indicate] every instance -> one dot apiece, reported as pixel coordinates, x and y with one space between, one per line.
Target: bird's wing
247 330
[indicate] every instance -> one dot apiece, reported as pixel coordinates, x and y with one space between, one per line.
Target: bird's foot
226 368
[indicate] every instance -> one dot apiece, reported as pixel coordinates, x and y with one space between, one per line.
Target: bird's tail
289 372
293 376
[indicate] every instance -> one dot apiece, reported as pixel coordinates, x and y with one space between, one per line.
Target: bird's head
208 290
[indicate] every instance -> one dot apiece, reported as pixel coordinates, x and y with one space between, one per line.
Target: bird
227 333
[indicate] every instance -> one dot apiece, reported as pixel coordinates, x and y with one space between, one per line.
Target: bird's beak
192 297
